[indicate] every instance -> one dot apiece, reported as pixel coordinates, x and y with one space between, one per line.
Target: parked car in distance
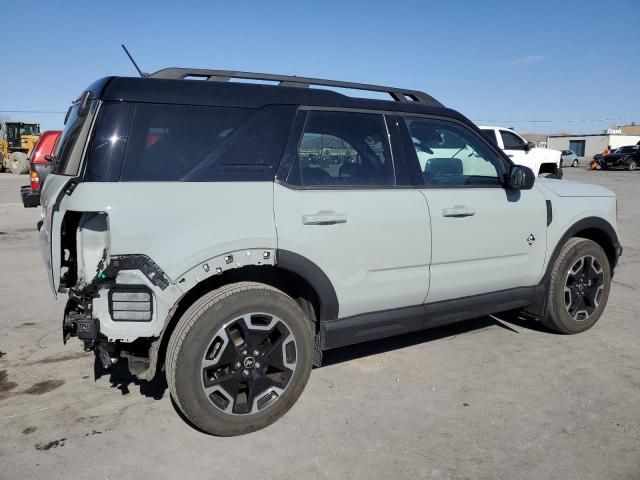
227 234
568 158
39 167
627 157
521 152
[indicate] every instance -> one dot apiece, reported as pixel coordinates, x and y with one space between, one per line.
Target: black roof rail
398 94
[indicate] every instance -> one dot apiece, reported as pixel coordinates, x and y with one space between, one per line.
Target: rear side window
345 149
193 143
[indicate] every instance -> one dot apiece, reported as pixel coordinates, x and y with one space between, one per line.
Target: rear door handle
324 218
458 211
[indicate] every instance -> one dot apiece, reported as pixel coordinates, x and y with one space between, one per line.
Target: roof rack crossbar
397 94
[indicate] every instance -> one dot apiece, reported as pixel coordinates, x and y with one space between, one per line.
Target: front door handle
458 211
324 218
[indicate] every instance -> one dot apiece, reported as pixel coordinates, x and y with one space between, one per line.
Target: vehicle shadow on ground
121 379
375 347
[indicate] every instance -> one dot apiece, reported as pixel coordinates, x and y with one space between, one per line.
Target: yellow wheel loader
16 146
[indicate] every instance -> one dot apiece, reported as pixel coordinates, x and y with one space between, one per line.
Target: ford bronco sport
229 232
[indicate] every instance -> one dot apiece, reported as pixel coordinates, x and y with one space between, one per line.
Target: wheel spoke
577 267
224 356
264 383
229 382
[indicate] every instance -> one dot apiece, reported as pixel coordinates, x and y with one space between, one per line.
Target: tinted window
450 155
109 141
345 149
629 149
194 143
512 141
69 148
491 135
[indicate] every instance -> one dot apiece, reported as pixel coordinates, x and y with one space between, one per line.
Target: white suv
228 233
521 152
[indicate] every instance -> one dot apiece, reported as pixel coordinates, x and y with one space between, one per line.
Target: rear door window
345 149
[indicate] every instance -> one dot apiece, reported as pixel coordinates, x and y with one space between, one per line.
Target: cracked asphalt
486 399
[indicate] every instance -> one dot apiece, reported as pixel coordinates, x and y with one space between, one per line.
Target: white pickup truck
521 152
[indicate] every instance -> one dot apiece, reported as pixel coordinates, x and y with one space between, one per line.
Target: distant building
540 139
591 144
632 129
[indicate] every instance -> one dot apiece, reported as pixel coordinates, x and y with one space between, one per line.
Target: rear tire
232 371
19 163
632 165
575 163
579 287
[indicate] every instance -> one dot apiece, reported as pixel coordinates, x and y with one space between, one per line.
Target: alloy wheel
583 288
249 363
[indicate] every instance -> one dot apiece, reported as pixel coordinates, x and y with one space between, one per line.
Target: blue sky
572 62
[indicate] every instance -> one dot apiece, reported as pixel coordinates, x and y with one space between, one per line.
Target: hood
569 188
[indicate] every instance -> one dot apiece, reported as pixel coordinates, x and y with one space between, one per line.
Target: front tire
632 165
579 287
19 163
575 163
239 358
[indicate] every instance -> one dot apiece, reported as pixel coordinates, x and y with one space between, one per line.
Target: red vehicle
40 166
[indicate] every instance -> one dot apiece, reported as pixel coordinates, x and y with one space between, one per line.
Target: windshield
70 146
16 130
29 129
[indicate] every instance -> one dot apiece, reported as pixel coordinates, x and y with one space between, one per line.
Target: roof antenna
142 74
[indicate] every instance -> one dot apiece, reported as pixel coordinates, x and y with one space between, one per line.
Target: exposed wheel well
290 283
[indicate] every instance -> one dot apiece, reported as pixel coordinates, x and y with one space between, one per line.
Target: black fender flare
312 273
595 223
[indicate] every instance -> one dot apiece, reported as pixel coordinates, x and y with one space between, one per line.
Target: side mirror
521 178
48 158
529 146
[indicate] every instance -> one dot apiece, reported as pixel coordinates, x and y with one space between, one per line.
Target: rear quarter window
203 144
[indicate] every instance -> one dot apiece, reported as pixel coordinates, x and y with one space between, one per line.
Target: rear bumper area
30 198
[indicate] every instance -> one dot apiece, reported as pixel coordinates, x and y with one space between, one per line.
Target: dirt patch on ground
29 430
5 385
2 354
43 447
43 387
27 324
